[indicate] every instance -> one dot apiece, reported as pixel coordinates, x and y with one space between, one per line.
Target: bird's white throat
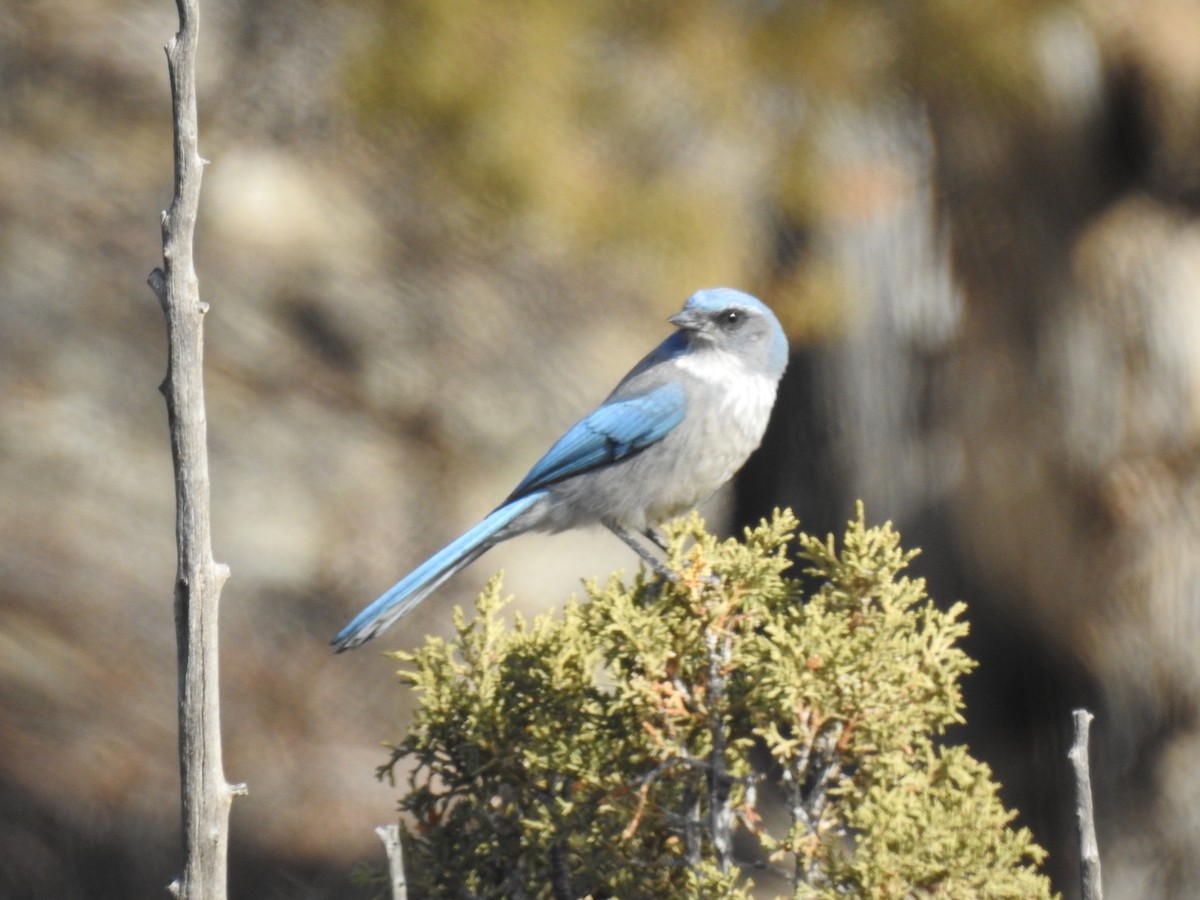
748 396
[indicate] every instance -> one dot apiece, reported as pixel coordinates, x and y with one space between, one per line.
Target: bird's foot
657 538
657 565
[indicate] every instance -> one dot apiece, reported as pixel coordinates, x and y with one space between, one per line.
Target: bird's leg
629 538
657 538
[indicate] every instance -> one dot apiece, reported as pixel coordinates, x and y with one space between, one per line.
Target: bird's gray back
728 406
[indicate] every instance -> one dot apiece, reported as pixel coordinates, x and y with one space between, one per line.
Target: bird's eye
730 318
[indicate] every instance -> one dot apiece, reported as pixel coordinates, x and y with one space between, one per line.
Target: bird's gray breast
727 411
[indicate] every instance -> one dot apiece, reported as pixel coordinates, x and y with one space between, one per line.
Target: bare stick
720 815
390 835
1089 851
206 796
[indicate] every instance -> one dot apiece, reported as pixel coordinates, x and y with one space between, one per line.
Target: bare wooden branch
390 835
720 815
1089 850
206 797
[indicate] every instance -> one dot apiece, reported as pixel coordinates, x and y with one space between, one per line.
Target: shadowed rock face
1002 299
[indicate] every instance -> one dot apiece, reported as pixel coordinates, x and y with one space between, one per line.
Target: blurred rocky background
434 232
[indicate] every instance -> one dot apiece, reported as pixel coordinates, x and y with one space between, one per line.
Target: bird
675 428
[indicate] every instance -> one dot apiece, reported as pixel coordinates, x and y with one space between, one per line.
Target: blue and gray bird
676 428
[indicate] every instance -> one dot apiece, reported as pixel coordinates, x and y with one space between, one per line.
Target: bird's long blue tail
405 594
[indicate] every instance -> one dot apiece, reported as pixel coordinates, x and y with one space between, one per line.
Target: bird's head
733 321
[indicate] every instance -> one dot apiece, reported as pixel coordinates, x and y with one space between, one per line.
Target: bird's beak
688 320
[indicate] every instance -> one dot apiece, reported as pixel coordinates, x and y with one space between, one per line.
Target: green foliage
657 133
618 748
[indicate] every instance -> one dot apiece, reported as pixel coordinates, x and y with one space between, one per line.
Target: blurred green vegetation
622 131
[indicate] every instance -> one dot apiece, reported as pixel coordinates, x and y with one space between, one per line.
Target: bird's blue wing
614 431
